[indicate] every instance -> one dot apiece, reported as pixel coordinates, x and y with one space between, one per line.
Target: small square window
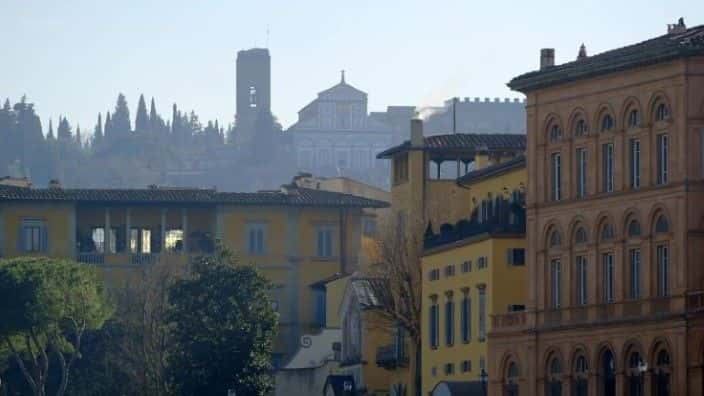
467 266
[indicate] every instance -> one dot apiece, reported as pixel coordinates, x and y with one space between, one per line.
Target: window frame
607 167
581 156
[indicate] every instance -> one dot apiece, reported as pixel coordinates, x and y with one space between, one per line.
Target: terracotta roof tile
463 141
659 49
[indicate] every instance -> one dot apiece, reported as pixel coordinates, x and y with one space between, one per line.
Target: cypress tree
64 131
141 121
50 134
108 126
79 139
121 124
98 131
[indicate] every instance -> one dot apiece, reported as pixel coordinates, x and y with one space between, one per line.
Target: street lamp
484 380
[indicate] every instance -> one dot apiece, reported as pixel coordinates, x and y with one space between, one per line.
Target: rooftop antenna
267 37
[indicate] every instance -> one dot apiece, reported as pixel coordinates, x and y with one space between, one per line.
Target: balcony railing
391 357
137 259
600 313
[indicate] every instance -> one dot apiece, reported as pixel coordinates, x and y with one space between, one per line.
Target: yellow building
472 270
296 235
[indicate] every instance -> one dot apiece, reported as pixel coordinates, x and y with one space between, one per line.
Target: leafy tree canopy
224 328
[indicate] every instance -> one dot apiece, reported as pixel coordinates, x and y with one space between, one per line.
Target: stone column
184 228
128 231
163 231
107 234
619 382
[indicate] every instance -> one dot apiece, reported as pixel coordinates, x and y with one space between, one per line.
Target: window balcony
391 357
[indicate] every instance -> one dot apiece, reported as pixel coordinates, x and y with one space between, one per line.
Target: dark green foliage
121 125
64 131
224 327
47 305
141 121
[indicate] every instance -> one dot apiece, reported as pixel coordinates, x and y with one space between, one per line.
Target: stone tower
253 87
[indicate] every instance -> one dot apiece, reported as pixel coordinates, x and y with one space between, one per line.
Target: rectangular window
134 240
98 236
634 264
324 238
516 257
634 163
146 240
555 275
467 266
663 158
256 238
32 236
174 240
607 167
449 322
581 172
482 262
320 307
555 176
433 325
466 319
449 368
466 366
581 280
450 270
607 262
482 314
434 274
663 260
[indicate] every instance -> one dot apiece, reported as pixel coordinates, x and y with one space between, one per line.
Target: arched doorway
607 374
635 375
662 371
511 387
553 383
580 376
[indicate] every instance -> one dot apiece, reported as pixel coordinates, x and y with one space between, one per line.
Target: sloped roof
463 141
342 86
287 196
494 170
364 292
656 50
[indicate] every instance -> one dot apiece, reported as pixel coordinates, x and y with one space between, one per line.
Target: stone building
476 116
615 226
336 136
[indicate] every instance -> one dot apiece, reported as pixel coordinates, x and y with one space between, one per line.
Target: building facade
336 136
296 236
472 270
615 226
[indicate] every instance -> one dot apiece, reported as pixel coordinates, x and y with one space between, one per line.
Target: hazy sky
73 57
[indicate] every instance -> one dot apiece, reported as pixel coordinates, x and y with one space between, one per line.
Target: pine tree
156 124
141 121
121 124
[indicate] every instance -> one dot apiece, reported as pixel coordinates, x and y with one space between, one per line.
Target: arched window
635 375
555 239
580 128
662 225
634 229
555 132
554 384
662 112
607 123
580 236
511 382
607 379
581 376
607 232
633 118
662 374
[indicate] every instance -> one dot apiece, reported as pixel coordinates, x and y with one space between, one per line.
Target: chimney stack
582 52
547 58
677 28
416 132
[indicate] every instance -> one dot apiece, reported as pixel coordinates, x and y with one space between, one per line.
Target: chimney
677 28
54 184
547 58
582 52
417 132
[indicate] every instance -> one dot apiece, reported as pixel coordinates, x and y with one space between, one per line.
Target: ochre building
296 235
615 226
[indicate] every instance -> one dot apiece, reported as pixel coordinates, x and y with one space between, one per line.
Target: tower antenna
267 37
